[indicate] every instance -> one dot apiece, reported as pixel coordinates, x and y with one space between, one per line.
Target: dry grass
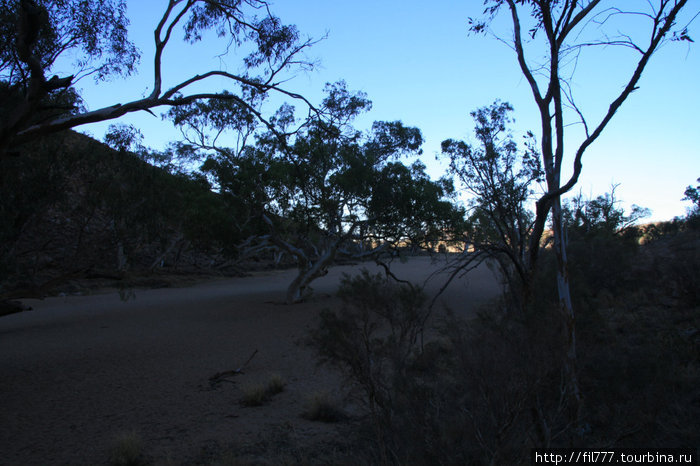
127 450
260 394
320 406
275 384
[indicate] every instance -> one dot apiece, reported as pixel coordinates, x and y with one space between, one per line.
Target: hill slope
73 207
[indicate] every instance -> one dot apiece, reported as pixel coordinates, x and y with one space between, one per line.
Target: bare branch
21 128
570 99
518 43
162 42
658 35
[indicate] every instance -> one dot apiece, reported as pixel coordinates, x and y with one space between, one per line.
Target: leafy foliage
44 34
407 206
603 243
323 189
372 339
344 195
93 31
692 194
600 215
488 390
500 176
463 396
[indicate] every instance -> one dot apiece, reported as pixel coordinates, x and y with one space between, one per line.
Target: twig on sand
222 376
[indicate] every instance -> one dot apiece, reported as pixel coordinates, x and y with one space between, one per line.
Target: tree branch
631 86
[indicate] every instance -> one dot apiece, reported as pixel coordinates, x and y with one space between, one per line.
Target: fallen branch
222 376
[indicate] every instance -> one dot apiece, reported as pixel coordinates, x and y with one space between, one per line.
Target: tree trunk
566 307
122 263
159 261
296 290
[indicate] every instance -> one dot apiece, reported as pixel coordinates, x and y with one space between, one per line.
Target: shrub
275 384
254 395
488 390
469 394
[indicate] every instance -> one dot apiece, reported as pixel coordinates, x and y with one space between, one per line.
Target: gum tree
325 190
41 33
344 196
547 37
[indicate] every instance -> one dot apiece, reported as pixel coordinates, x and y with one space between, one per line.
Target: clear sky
417 63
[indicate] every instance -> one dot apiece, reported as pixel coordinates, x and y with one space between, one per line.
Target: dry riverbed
81 372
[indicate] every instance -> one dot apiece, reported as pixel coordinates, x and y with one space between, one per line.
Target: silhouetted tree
500 176
326 189
407 207
341 192
559 30
38 33
692 194
586 216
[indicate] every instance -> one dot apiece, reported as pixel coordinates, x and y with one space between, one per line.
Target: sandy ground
77 372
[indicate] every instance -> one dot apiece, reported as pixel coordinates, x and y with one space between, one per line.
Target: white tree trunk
122 262
565 305
297 289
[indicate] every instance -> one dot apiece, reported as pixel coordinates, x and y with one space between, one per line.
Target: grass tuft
127 450
275 384
260 394
321 407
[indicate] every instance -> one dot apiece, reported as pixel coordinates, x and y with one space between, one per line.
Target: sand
78 372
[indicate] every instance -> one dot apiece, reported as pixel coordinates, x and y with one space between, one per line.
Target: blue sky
417 64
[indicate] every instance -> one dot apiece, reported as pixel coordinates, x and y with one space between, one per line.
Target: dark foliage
487 390
501 176
90 36
472 394
72 207
692 194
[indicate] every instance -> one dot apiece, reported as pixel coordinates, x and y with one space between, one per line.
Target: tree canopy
42 32
692 194
327 189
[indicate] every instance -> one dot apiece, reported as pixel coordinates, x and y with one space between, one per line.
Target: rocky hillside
71 207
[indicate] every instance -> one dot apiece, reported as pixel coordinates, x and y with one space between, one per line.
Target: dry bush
488 390
275 384
640 356
254 395
637 333
476 393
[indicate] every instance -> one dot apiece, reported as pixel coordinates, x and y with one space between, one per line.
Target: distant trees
408 208
327 190
559 31
602 214
40 33
602 242
692 194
